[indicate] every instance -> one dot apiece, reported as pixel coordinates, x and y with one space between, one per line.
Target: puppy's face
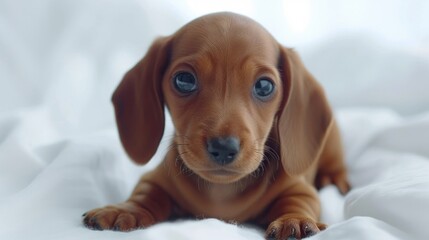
223 90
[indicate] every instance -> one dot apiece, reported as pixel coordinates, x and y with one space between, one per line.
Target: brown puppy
253 132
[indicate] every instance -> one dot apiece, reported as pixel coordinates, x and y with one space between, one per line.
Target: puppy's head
230 87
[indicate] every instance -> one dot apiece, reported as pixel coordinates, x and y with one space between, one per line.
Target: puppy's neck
225 192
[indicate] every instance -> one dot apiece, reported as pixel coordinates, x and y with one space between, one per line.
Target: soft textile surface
59 150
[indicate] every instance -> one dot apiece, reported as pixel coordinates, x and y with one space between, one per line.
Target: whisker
268 154
185 137
174 144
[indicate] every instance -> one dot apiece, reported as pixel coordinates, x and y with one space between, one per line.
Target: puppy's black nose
223 150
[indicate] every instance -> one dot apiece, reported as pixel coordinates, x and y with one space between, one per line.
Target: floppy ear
139 104
305 117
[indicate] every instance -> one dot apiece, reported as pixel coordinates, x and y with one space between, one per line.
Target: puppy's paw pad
293 228
122 217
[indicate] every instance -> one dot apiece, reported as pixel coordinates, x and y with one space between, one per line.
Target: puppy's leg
148 204
294 214
332 169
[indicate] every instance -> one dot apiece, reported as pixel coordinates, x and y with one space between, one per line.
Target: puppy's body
244 200
253 132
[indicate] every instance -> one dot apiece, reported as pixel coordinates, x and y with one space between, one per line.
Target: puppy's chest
233 202
226 202
222 194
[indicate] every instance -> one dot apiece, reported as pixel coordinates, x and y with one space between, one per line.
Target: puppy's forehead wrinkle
223 34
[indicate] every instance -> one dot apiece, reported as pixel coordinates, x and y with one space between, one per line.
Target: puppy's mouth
214 174
220 175
222 172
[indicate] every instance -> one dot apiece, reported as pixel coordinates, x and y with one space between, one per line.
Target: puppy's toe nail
292 234
116 228
308 231
92 223
96 226
86 221
272 234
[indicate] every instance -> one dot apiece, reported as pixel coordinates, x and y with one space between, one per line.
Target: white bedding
59 150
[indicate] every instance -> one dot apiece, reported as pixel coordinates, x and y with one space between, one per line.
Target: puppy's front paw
292 227
121 217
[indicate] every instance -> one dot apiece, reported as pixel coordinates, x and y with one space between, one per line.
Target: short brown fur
289 144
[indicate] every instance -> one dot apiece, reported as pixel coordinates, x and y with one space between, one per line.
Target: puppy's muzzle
223 150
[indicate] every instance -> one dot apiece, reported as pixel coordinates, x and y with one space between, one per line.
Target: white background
60 60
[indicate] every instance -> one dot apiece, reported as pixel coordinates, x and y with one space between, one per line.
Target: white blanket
59 150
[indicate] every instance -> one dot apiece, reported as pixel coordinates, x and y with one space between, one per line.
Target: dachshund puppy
254 134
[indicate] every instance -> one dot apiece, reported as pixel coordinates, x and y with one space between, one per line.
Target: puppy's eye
263 88
185 82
